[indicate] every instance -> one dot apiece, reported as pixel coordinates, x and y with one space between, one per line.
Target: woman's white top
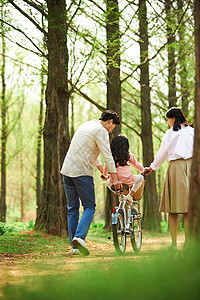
175 145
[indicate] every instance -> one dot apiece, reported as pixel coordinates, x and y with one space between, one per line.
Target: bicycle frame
126 207
126 221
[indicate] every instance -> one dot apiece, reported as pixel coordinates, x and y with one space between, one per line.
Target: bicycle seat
125 189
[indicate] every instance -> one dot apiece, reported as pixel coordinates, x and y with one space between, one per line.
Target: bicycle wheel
119 235
136 234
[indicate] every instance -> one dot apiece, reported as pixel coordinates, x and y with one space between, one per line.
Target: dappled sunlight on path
18 268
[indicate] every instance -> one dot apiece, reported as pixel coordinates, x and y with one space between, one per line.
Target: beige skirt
175 197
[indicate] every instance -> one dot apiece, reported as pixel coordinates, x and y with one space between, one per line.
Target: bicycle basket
139 192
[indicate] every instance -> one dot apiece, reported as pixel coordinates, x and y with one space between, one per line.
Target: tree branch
30 40
32 51
79 92
100 107
78 7
161 48
21 62
124 123
37 7
28 17
97 5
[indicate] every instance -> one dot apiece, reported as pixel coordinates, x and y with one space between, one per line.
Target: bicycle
126 220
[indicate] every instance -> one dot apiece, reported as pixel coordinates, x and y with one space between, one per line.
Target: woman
177 147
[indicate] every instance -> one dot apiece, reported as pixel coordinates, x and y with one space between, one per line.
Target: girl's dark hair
120 150
179 117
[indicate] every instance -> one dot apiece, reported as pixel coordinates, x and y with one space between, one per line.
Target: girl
123 158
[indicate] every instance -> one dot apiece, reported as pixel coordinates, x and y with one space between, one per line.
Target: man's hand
104 177
147 171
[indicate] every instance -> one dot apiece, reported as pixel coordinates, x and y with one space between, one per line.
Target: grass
14 241
15 228
162 277
97 233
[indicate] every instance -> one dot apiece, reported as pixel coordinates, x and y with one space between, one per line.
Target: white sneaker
76 252
80 244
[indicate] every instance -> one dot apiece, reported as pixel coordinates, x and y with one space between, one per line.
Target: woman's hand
147 171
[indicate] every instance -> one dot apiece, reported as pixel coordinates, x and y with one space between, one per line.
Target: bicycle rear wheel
136 234
119 235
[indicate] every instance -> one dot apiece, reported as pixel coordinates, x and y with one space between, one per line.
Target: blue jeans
82 188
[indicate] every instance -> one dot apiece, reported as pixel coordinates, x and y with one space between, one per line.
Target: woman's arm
162 154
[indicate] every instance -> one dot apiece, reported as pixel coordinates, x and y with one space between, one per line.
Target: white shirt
175 145
89 140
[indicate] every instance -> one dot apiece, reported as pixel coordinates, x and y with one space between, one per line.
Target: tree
39 143
151 219
183 73
171 54
52 212
3 124
113 79
52 215
194 204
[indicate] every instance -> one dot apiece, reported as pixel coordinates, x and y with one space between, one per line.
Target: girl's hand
147 171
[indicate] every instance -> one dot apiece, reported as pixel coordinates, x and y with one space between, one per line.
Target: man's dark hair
110 115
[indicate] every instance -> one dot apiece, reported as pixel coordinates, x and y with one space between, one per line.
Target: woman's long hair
179 118
120 150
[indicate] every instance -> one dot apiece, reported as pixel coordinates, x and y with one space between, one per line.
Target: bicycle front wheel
136 234
119 234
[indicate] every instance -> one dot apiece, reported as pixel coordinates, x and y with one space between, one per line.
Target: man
91 138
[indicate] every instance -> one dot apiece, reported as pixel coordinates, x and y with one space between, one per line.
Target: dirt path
17 269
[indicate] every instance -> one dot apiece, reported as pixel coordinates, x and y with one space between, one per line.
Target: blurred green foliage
15 228
161 276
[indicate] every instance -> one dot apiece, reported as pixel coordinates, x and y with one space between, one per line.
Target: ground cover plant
164 276
20 238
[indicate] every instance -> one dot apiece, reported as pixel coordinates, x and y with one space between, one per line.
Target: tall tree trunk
3 126
151 220
183 62
72 115
20 139
113 79
52 215
194 204
39 144
171 54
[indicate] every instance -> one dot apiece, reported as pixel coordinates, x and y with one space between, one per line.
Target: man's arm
102 140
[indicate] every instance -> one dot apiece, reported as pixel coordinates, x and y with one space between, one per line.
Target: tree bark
183 62
21 167
113 80
52 215
194 204
39 145
171 54
151 219
3 126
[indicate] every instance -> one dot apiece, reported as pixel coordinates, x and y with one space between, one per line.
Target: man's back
89 139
